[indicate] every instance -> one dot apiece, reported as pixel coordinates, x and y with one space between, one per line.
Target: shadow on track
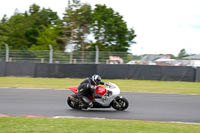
97 111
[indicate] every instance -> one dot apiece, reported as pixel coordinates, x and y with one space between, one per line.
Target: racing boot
87 103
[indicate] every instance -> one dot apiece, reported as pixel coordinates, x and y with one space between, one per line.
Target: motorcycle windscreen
100 90
74 89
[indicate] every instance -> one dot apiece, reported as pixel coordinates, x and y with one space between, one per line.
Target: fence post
71 58
97 55
7 52
50 54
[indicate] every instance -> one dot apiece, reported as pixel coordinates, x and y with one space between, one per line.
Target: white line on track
190 123
77 117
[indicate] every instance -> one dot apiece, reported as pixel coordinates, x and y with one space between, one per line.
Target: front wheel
120 103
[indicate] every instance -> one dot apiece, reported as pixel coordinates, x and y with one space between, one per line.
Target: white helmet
96 79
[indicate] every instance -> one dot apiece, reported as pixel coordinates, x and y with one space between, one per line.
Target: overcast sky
162 26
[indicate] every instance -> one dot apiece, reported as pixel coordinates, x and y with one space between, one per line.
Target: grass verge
125 85
50 125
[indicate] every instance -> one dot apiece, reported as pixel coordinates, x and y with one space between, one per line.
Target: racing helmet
96 79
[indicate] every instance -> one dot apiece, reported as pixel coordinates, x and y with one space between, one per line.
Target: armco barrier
17 69
143 72
181 73
112 71
107 71
64 70
20 69
197 74
2 68
147 72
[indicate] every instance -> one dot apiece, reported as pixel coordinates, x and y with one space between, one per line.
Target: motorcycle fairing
100 90
74 89
105 100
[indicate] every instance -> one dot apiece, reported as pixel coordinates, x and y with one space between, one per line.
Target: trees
37 28
21 30
48 35
77 22
3 31
43 28
16 32
110 30
107 27
182 54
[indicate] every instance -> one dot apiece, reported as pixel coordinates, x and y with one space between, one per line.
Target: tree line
81 28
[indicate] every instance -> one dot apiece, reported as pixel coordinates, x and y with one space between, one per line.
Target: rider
87 86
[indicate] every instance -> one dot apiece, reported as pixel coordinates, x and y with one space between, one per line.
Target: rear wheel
120 103
72 101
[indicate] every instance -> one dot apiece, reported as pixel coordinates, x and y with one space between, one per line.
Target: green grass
50 125
125 85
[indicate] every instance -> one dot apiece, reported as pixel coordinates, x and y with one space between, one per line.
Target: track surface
143 106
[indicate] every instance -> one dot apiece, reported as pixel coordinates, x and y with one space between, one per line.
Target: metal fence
61 57
90 57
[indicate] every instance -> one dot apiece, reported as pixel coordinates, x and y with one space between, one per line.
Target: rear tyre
72 103
120 103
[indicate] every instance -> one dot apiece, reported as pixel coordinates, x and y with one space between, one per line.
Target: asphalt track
143 106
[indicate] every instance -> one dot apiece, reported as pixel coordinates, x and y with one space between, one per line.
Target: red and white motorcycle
109 97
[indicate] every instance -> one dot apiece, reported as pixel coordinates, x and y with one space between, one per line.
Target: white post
97 55
7 52
50 54
71 58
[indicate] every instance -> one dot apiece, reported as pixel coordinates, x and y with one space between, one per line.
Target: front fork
115 100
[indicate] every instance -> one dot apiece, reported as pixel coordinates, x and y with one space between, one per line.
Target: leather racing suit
85 88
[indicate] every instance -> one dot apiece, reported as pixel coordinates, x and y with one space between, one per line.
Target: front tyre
120 103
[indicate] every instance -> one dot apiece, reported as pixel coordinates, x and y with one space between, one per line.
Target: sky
161 26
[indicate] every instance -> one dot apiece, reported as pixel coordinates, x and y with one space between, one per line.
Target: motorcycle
108 97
